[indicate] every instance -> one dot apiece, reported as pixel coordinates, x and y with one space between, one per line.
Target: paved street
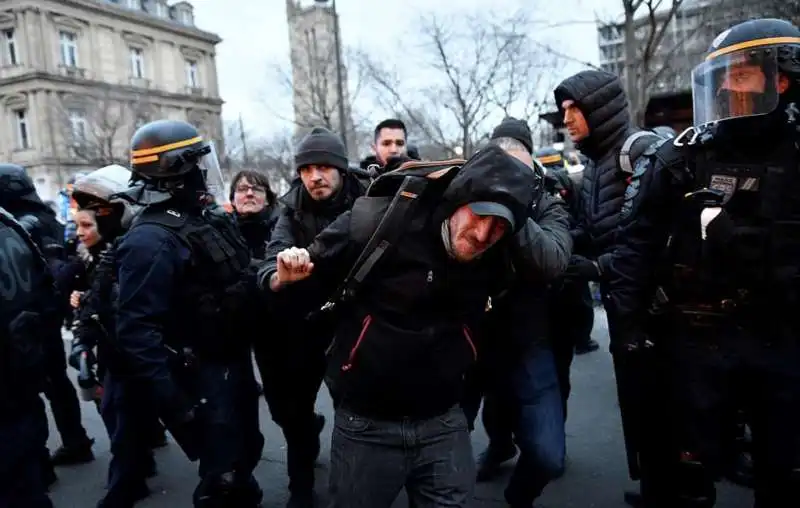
596 476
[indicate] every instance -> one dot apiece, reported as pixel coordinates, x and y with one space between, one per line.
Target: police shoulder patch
724 183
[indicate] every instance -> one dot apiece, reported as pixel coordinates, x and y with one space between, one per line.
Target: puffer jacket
600 97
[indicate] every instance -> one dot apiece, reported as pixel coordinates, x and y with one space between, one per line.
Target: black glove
78 348
581 267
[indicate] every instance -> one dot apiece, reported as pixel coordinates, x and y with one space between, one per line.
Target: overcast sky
255 39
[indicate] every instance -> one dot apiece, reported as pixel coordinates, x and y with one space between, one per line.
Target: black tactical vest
751 252
214 287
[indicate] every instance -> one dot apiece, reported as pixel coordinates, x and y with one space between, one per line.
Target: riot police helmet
549 157
168 152
97 188
747 68
99 192
665 131
16 186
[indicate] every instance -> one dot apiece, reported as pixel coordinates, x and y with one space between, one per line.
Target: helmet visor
212 174
737 84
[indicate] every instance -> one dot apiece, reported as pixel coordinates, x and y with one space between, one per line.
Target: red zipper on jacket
468 336
364 327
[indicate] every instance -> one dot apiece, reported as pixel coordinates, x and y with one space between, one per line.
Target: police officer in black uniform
19 197
708 272
182 278
26 287
125 409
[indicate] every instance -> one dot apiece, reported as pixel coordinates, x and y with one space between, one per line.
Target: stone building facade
78 76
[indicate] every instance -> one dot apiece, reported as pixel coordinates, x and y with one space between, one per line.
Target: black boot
73 454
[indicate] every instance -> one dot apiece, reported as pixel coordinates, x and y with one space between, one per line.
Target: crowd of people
422 293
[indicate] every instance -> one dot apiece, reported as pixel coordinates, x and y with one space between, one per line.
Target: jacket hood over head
491 175
600 97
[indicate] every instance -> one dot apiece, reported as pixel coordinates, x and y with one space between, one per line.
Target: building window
69 49
137 63
135 4
192 77
77 123
23 129
185 17
162 11
12 57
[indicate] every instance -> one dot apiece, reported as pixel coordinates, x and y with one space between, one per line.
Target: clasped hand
294 265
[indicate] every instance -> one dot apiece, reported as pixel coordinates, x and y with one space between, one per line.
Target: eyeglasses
256 189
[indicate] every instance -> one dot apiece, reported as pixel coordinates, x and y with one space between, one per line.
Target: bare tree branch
480 66
644 37
96 128
272 156
564 56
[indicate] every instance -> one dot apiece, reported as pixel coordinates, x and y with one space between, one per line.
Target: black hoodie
405 342
600 97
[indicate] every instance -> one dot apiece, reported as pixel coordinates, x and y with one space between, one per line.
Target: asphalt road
596 476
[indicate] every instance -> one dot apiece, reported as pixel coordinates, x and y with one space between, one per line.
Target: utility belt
739 309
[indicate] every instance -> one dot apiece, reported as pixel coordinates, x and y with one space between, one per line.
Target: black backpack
404 188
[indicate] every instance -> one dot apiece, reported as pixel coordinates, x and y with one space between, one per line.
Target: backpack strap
631 150
641 166
416 177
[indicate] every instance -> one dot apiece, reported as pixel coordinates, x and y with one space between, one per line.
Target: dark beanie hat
515 128
321 147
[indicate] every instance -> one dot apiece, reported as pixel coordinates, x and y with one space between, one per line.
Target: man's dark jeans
372 460
539 426
572 320
291 378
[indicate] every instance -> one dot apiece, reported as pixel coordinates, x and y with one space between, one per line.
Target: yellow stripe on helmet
755 43
547 159
164 148
144 160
